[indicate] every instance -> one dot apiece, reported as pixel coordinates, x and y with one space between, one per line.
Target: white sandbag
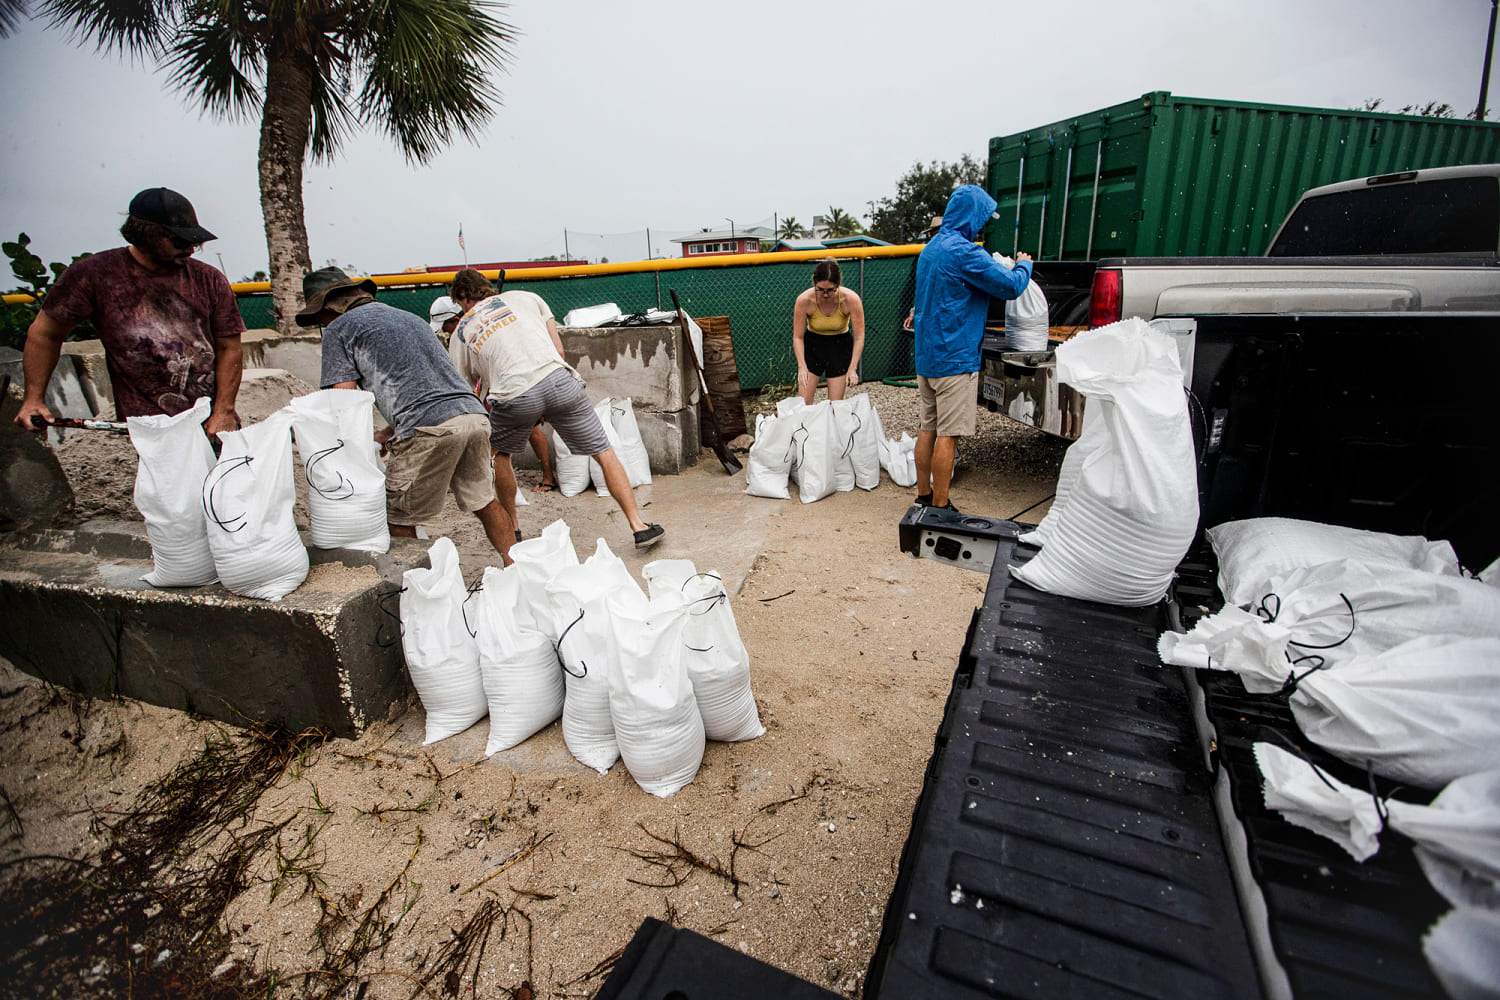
1132 511
845 427
1423 712
867 439
440 644
175 459
572 470
770 461
1027 316
335 432
900 459
1457 835
1463 951
651 700
537 560
523 681
577 598
815 461
248 499
717 662
596 471
633 454
1255 552
1093 436
601 315
1346 608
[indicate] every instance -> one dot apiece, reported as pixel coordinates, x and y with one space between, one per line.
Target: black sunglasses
182 244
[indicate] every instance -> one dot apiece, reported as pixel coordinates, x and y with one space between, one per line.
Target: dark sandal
544 487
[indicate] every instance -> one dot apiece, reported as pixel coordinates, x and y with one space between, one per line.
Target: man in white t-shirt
508 343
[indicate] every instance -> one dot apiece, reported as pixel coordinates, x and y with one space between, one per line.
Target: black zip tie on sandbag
343 484
1382 810
858 423
463 607
557 648
1268 615
720 598
381 603
792 445
1286 744
1293 679
233 465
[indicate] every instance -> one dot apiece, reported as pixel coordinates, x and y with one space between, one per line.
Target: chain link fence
757 298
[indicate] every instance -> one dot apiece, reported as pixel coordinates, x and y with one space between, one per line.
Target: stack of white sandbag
518 665
828 447
624 434
175 459
441 643
1126 508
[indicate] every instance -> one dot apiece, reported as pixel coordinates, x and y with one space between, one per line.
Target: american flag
461 237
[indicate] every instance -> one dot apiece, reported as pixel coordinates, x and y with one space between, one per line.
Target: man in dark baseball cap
169 324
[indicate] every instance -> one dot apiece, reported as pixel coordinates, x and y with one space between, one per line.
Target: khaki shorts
950 405
420 469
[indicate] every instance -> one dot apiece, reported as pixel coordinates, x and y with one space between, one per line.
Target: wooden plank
723 378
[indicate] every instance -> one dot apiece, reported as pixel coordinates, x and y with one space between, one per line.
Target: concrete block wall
646 363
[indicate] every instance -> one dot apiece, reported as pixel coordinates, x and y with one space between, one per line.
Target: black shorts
828 356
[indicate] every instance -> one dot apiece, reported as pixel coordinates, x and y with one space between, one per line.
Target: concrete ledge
74 611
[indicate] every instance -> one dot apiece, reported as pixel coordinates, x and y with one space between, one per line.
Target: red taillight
1104 298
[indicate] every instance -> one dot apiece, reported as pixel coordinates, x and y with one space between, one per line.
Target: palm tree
841 223
314 71
790 229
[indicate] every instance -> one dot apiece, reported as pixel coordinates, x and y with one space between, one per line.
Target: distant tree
790 229
841 223
921 193
313 72
16 317
1432 109
257 276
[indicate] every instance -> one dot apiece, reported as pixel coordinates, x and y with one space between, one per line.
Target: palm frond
126 27
11 13
218 62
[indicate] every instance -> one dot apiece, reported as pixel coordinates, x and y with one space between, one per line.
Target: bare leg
836 386
807 387
505 491
403 530
498 528
538 441
925 440
942 469
618 484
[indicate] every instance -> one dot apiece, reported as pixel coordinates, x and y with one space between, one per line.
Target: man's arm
556 340
44 340
987 274
229 367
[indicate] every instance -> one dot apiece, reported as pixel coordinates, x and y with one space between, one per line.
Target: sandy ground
784 847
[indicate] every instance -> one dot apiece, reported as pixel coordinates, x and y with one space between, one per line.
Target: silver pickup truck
1418 241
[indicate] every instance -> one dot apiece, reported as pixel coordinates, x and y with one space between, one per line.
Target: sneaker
518 534
649 536
924 500
946 506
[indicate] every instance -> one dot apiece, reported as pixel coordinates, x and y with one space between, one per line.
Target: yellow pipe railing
622 267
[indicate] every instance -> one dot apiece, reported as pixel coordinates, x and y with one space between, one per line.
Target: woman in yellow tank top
828 334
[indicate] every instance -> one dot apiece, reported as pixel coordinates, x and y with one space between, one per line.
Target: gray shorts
561 400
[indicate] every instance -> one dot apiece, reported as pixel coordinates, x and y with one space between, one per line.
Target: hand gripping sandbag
1423 712
717 662
572 470
577 597
1026 316
523 682
1457 835
441 647
335 432
1133 510
175 459
814 467
651 698
1254 552
537 560
770 461
248 499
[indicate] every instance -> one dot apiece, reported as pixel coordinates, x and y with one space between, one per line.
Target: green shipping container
1167 176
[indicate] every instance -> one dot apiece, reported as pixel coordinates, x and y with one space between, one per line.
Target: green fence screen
757 298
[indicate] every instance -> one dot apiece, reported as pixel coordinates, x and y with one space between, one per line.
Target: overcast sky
675 115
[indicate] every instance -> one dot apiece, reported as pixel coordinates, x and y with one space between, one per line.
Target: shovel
720 449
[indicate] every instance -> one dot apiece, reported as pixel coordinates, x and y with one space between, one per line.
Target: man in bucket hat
169 324
438 438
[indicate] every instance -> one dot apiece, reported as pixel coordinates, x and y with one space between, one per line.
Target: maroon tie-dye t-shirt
158 328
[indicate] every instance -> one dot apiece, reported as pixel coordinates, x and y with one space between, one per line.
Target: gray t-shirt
394 355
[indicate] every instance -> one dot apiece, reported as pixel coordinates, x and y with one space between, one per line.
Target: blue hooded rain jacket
955 280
